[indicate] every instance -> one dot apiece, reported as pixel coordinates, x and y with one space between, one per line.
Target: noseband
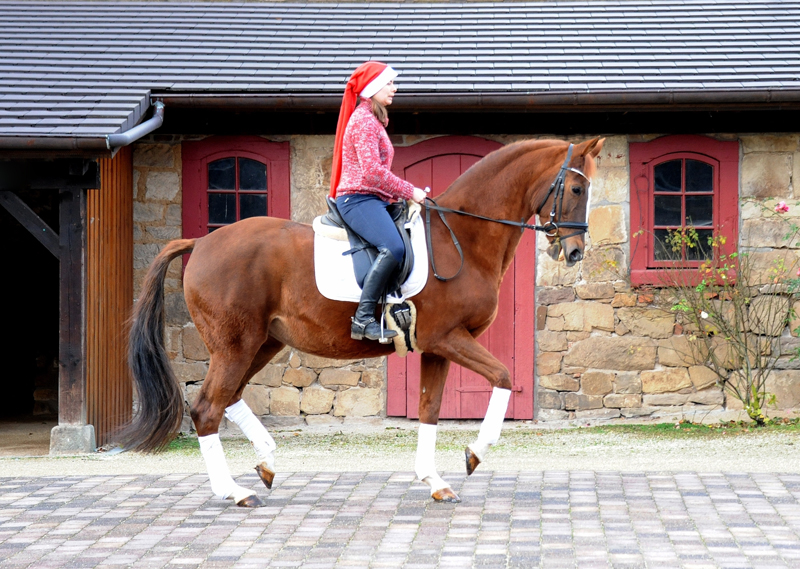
550 227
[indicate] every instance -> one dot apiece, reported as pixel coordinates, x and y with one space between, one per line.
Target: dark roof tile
59 57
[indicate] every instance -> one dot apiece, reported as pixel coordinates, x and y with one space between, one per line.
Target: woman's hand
420 195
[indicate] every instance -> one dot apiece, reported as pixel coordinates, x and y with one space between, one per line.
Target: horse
250 291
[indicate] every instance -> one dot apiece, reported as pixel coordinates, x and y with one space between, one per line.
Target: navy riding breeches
366 215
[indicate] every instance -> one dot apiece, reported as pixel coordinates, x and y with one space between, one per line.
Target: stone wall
603 349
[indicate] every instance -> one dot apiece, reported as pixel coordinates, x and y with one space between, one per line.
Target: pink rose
781 207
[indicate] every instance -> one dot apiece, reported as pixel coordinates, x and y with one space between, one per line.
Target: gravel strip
523 447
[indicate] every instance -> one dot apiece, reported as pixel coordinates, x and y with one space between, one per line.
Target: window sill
661 277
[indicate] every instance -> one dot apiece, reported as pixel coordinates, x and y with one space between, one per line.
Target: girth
364 253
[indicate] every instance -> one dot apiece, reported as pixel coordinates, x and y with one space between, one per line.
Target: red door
437 163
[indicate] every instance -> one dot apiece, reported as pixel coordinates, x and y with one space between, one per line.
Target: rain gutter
53 143
82 144
125 138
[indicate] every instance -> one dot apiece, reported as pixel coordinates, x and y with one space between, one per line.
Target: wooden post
72 435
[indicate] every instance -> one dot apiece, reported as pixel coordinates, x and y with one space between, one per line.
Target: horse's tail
160 401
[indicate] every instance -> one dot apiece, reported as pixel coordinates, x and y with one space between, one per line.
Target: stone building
258 85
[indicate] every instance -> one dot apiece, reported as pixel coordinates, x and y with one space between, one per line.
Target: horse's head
567 201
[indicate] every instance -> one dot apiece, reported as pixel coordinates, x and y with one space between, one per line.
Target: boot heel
357 330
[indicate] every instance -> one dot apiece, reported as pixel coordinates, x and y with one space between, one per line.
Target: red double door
437 163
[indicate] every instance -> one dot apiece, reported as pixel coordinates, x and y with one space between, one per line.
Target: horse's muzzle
574 256
570 255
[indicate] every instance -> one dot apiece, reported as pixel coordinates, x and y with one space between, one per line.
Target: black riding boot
364 324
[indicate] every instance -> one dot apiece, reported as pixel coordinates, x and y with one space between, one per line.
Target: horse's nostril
576 255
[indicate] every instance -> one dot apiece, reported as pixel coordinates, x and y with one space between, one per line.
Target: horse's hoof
446 495
266 475
472 460
251 501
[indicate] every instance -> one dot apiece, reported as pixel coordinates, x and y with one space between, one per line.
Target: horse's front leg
463 349
490 428
432 379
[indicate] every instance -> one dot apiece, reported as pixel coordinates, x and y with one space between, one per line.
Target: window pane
668 176
668 210
221 208
699 210
222 174
251 205
662 248
252 175
699 176
702 250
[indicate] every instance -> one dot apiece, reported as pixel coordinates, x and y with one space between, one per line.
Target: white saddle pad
335 276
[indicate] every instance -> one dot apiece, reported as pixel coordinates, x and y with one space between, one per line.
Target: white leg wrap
425 465
257 434
492 423
222 484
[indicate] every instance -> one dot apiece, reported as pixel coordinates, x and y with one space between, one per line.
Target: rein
550 228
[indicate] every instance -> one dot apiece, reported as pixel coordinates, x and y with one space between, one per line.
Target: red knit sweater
367 156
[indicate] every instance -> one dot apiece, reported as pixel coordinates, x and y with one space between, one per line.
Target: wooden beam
72 174
30 221
72 329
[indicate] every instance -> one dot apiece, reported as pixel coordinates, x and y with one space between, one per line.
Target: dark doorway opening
29 290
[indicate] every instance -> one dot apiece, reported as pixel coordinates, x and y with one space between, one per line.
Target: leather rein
550 227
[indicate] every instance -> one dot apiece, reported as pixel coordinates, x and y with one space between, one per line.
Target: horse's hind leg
432 379
238 412
221 384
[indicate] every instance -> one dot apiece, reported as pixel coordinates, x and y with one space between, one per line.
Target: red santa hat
366 80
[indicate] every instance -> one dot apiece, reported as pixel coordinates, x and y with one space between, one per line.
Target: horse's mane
498 160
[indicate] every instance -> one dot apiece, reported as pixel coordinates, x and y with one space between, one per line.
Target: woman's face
385 95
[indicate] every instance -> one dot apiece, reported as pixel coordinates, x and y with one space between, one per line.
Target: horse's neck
499 185
498 189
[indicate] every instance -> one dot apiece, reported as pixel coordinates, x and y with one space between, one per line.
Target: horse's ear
592 147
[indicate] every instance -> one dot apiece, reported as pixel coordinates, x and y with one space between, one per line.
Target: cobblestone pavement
386 519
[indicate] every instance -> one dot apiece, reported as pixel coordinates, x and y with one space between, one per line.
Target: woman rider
363 185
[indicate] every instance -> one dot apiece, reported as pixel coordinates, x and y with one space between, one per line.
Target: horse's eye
576 190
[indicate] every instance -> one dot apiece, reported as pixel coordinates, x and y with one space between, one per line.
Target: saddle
364 254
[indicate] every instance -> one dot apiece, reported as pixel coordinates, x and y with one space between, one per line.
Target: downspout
114 141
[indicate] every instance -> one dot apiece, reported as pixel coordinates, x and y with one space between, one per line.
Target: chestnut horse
250 290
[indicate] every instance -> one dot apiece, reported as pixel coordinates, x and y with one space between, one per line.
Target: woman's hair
380 112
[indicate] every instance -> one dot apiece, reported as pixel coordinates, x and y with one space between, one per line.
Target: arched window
679 182
228 178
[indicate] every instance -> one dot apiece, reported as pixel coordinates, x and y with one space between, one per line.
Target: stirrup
358 331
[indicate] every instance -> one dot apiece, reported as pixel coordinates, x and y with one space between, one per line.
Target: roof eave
51 146
500 101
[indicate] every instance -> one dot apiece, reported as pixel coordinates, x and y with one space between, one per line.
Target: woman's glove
420 195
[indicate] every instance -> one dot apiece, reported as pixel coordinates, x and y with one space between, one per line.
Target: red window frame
723 156
198 154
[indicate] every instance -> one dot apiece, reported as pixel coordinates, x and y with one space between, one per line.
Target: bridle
550 227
